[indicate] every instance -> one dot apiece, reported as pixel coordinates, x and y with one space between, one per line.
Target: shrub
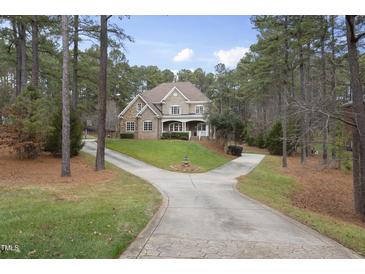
175 135
54 139
25 124
261 140
234 150
127 136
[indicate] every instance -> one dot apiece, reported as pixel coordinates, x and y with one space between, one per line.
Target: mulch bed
46 169
257 150
323 190
184 168
216 147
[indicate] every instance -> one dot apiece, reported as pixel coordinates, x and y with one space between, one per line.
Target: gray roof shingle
188 89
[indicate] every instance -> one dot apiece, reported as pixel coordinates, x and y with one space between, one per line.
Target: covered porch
196 128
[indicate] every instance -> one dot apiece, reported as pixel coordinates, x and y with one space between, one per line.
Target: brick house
176 107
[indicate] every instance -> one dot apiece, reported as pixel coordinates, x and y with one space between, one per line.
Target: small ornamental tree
228 126
54 138
25 124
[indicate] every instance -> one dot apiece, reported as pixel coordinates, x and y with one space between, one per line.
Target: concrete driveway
203 216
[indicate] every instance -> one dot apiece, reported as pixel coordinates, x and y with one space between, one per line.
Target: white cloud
183 55
231 56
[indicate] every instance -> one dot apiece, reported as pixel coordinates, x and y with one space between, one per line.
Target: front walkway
203 216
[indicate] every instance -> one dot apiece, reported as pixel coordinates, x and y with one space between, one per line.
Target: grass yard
92 218
270 185
166 153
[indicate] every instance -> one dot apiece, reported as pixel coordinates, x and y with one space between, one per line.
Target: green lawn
267 185
100 224
164 153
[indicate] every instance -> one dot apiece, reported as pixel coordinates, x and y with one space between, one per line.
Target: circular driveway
203 216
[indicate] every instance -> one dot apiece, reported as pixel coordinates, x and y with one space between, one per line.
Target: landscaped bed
321 199
89 215
169 154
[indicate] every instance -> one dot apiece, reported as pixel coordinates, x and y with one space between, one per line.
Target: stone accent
148 115
130 115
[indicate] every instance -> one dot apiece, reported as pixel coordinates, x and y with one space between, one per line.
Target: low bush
175 135
127 136
234 150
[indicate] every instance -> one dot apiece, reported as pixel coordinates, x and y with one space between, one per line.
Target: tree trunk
303 137
65 168
75 62
308 97
35 52
333 87
359 117
285 93
324 90
18 70
100 151
23 54
356 177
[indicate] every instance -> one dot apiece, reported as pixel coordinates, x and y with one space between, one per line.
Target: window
147 126
175 110
130 126
199 109
201 127
139 107
175 126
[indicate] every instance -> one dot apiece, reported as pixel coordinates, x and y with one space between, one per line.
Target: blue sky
177 42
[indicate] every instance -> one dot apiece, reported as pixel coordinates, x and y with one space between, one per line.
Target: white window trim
126 126
147 121
173 127
178 108
196 107
198 127
137 107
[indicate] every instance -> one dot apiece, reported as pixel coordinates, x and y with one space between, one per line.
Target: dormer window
199 109
175 110
139 107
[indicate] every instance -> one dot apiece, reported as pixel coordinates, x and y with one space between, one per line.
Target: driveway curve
203 216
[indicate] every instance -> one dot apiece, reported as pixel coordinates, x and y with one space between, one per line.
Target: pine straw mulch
47 170
216 147
257 150
323 190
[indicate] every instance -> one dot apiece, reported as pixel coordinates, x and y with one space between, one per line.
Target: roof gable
131 104
171 91
144 108
189 91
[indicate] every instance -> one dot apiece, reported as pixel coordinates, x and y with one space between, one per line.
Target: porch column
183 126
